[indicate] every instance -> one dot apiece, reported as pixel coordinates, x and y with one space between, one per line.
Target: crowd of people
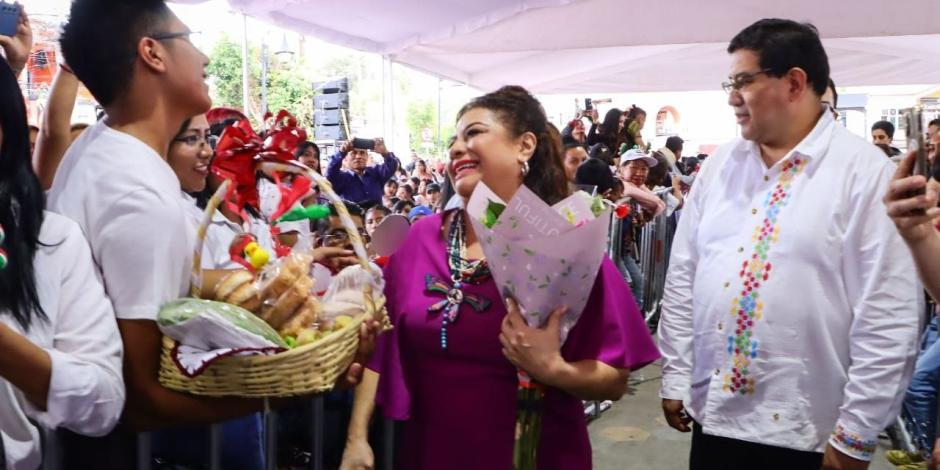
791 313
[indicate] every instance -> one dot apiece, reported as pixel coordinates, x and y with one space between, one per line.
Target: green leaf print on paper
492 213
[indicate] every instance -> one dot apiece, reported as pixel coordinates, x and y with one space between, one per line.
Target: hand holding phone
9 18
363 144
16 36
915 142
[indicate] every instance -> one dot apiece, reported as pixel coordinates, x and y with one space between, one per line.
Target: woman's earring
525 167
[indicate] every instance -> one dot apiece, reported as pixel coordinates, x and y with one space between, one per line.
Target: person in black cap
434 196
603 153
595 172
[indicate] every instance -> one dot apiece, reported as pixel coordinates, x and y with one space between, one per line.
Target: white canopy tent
575 46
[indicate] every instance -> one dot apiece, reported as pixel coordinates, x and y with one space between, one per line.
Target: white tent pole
245 94
388 102
440 138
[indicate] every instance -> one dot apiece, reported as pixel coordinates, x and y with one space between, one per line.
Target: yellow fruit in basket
341 322
308 336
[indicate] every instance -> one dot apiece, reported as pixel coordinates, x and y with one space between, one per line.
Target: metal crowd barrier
214 451
655 246
52 458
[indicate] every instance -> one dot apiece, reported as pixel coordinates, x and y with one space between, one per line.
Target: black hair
634 112
885 126
658 174
391 181
519 112
379 208
415 181
401 205
601 152
609 127
355 210
447 192
22 201
566 136
934 122
304 146
674 144
594 172
568 141
574 144
100 42
351 207
835 94
626 136
409 188
783 45
183 127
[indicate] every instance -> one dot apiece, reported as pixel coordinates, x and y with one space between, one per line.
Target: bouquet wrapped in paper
544 257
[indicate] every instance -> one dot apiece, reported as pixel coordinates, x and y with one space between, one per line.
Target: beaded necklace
462 272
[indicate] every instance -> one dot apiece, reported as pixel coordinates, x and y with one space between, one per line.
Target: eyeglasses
192 37
341 238
741 80
188 35
196 139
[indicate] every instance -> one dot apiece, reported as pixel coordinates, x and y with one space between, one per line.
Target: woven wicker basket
311 368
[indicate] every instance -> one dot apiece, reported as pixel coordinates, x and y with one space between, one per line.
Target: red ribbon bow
240 149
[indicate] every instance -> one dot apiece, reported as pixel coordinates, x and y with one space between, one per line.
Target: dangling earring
525 167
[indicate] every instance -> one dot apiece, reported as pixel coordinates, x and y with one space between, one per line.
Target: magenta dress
459 405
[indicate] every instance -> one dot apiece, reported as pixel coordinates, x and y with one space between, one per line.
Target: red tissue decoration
240 149
622 211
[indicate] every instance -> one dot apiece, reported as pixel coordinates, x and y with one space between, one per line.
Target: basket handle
214 202
327 189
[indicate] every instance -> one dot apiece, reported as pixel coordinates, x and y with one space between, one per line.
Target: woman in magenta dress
454 383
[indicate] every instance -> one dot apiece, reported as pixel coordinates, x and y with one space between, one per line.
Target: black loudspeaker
327 117
330 132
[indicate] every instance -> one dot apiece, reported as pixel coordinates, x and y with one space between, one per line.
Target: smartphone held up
914 120
9 18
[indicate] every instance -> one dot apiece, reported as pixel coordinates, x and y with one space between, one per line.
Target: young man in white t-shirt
136 58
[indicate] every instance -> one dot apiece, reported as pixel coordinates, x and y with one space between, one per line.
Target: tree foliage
287 86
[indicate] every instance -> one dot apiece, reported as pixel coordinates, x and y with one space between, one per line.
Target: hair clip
3 254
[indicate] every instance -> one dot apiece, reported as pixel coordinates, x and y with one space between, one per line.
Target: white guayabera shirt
792 306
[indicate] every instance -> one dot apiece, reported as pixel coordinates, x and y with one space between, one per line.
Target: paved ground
633 435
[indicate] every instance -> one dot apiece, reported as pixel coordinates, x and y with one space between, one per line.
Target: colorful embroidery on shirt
854 445
748 308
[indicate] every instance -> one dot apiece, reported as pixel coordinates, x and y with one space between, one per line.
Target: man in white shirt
136 58
791 312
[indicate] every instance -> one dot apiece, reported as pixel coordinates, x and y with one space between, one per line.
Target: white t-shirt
126 199
86 390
